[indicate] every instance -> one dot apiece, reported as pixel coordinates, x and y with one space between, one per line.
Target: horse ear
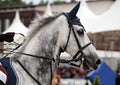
74 11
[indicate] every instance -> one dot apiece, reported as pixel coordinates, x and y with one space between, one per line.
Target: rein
78 54
46 58
70 62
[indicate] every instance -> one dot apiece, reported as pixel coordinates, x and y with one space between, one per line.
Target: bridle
77 57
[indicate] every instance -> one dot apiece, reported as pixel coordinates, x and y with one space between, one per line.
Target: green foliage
97 81
42 1
58 1
11 2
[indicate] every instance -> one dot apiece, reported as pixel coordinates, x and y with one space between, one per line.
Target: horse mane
38 23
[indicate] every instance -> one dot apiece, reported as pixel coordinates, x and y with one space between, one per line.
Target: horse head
77 43
47 38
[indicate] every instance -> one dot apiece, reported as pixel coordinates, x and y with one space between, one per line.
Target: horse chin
88 67
90 64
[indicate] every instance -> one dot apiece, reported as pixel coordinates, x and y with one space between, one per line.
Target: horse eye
80 32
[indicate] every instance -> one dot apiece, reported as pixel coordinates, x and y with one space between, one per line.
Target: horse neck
48 38
43 43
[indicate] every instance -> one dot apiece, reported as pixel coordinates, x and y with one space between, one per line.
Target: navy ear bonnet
76 21
71 16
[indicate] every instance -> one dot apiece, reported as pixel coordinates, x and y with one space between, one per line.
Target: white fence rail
74 82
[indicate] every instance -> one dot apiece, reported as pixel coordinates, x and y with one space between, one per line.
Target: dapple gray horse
48 38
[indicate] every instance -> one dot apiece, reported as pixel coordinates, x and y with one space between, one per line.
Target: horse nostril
98 62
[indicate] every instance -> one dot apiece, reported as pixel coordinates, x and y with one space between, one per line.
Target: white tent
84 11
48 11
104 22
17 26
110 20
86 16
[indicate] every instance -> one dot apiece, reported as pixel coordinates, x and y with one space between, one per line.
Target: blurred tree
59 1
11 2
97 81
42 1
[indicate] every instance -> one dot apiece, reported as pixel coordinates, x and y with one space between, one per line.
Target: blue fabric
12 76
106 74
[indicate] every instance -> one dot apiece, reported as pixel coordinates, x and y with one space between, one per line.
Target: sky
38 1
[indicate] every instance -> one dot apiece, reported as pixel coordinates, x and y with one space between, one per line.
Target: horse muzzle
97 64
